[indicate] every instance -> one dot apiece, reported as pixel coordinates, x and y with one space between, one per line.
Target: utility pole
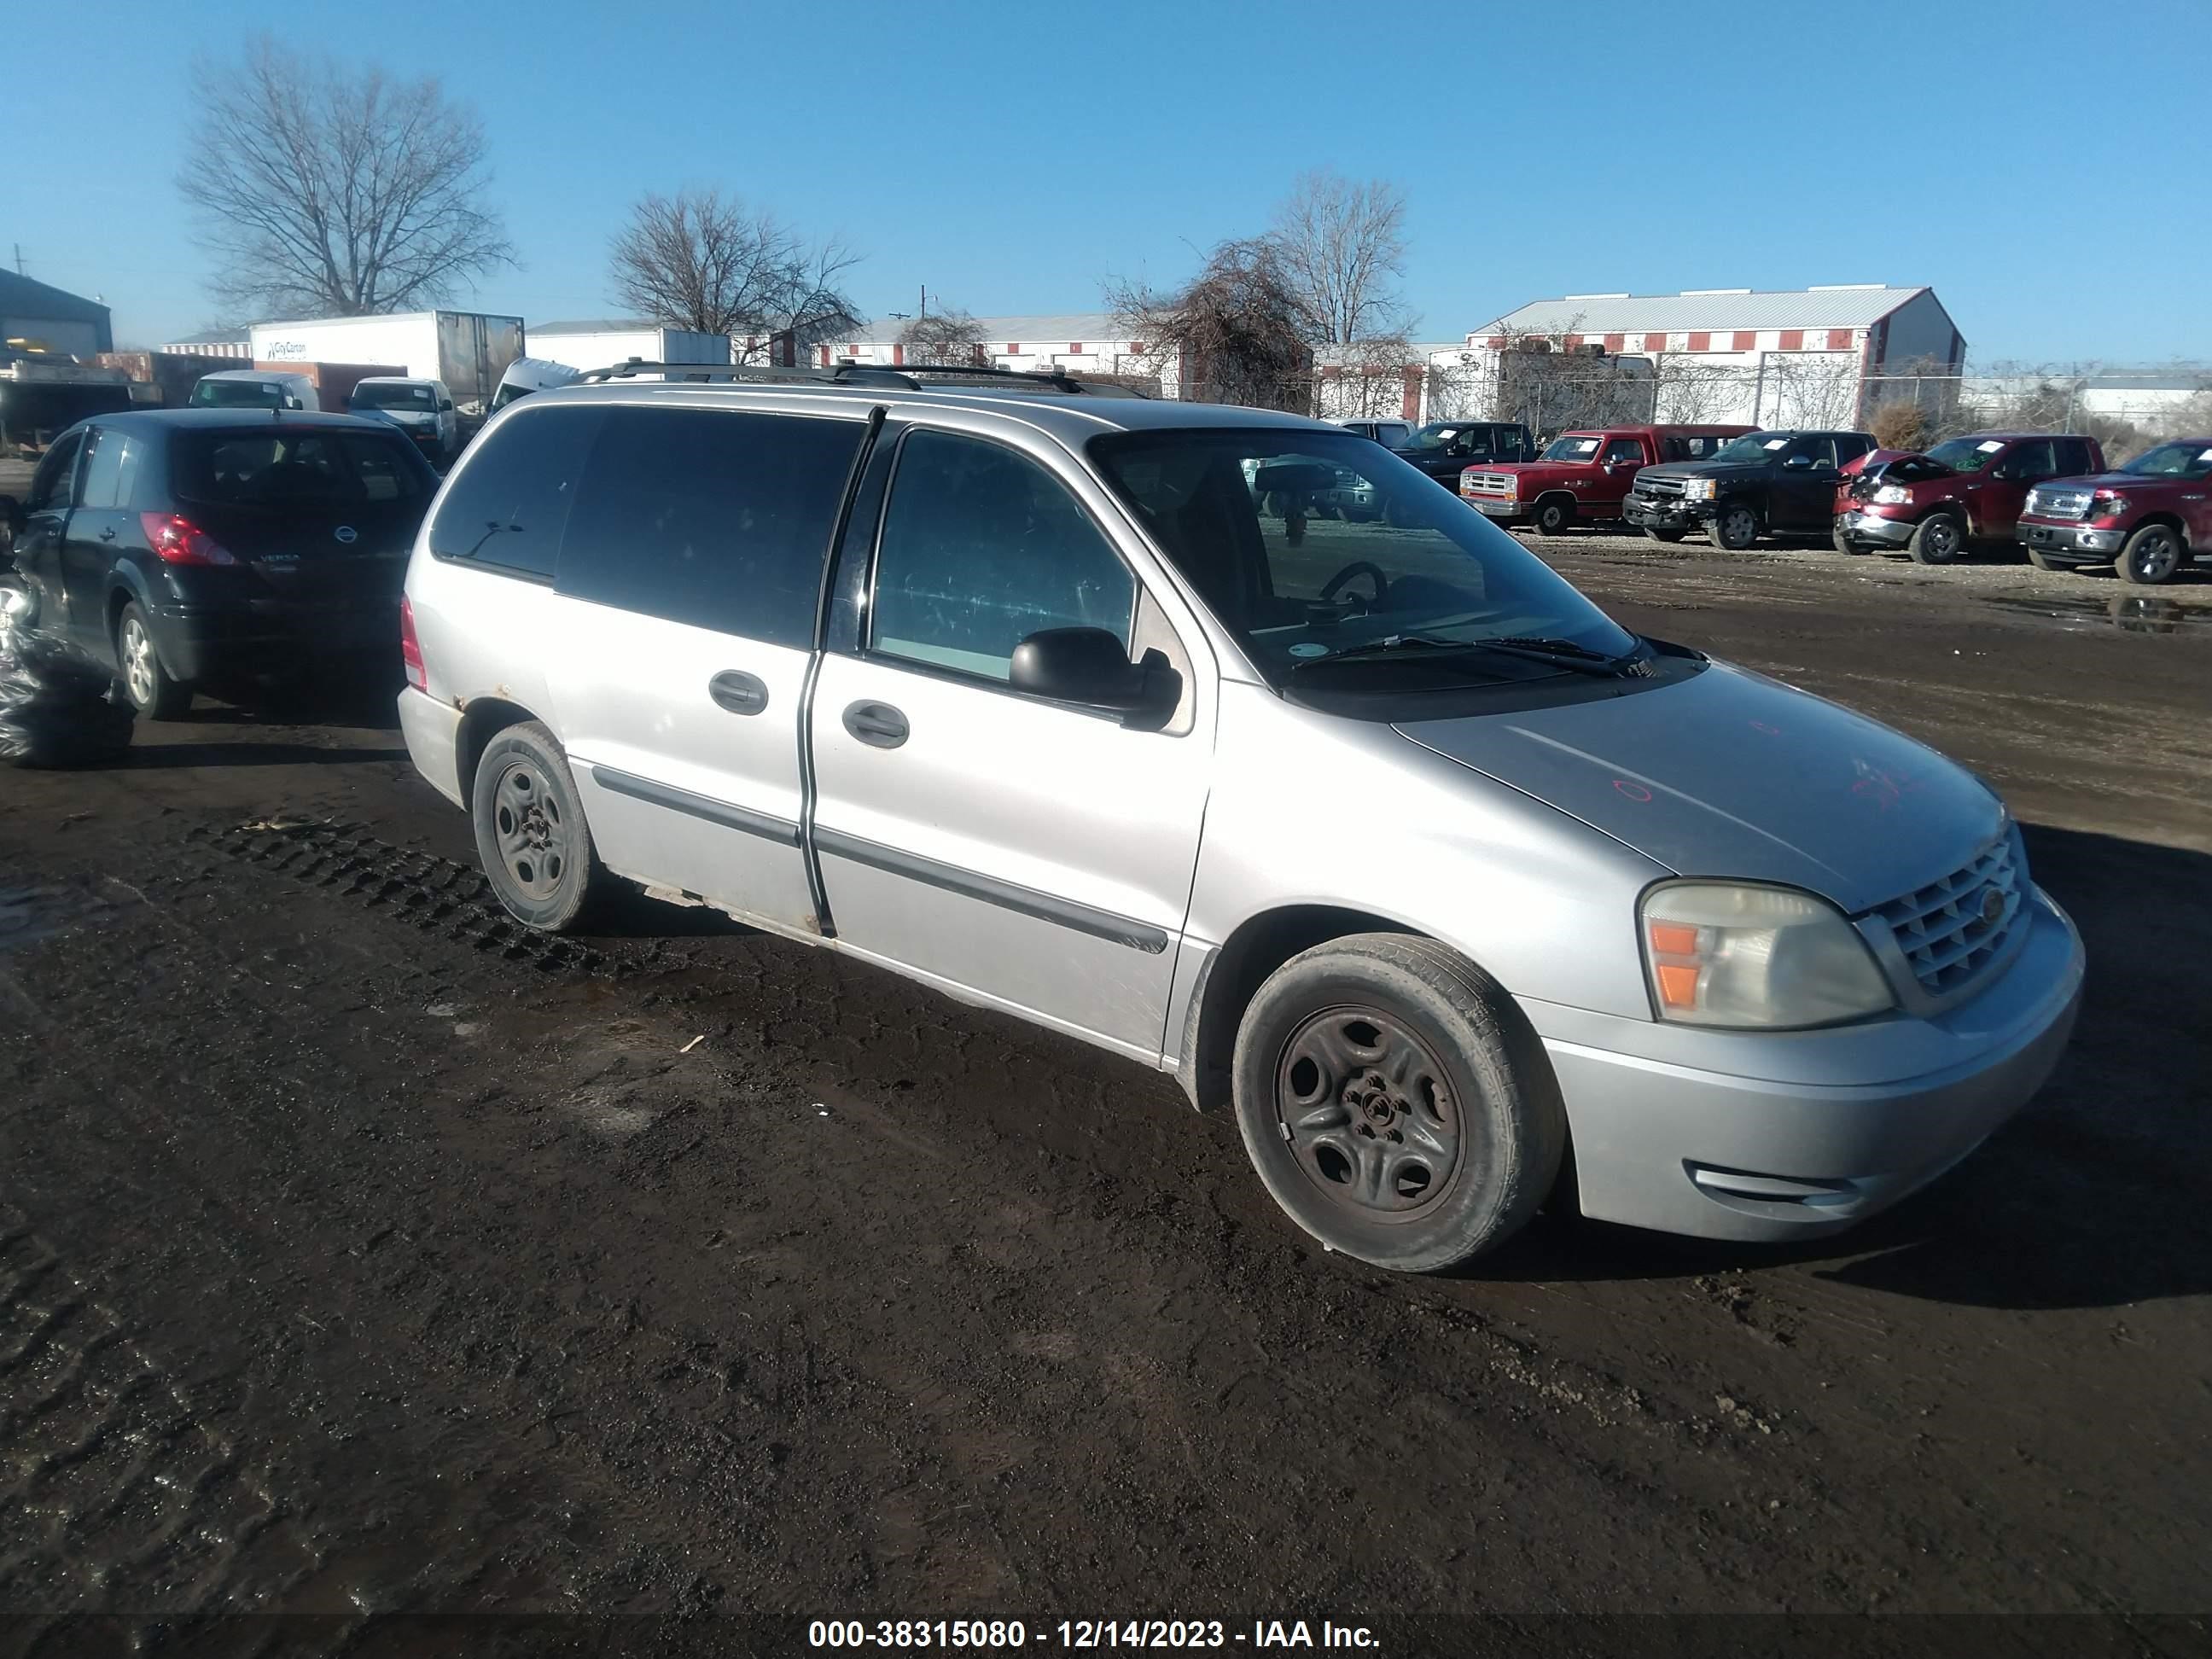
19 258
923 309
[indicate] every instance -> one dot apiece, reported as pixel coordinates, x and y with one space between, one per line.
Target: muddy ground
359 1253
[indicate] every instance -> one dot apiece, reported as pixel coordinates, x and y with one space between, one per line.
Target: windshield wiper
1561 653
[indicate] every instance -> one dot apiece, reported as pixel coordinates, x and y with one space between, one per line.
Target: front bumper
1784 1135
2075 542
1497 508
1871 530
1665 513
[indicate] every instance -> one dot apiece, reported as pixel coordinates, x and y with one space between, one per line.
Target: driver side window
50 484
982 547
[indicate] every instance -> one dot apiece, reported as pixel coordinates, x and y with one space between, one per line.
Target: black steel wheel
531 834
1939 538
1395 1103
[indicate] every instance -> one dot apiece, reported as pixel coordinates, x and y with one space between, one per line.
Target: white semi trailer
468 350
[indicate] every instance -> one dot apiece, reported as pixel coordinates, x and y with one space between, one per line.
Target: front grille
1948 930
1485 483
2058 503
1658 486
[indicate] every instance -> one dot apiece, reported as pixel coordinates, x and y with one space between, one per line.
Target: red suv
1966 492
1584 475
2148 519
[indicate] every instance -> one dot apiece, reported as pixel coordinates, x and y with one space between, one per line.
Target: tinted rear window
719 520
509 502
269 466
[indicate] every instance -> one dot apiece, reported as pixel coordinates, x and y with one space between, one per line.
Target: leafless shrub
701 260
1899 424
1237 325
948 338
326 192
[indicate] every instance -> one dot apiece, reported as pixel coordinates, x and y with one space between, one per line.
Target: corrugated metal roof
1047 333
1797 307
26 298
595 325
215 337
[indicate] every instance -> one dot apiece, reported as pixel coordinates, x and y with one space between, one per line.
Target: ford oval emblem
346 534
1993 903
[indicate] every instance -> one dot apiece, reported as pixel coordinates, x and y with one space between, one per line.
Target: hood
1704 470
1533 469
1730 774
2121 481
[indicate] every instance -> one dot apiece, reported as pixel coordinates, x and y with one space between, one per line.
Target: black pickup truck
1778 482
1444 449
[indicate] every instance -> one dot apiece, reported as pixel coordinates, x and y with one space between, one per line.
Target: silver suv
1460 895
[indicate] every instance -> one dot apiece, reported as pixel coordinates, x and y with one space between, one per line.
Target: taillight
411 649
176 540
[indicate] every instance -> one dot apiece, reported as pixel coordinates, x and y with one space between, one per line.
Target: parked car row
2048 493
422 410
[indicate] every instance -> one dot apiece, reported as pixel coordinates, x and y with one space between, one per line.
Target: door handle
738 691
108 534
875 724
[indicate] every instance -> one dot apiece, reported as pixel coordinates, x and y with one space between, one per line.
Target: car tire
1393 1102
531 834
1670 537
1939 538
2153 555
1734 525
2044 562
1844 543
1554 517
148 685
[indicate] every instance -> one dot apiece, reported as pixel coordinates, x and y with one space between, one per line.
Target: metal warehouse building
1813 356
36 317
1086 340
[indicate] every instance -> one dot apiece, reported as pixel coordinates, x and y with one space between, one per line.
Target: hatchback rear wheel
2151 555
153 692
531 834
1394 1105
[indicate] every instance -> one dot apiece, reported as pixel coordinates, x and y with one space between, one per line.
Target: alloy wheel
1367 1109
2156 557
138 662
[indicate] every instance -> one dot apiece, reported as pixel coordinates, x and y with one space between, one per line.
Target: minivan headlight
1698 489
1727 953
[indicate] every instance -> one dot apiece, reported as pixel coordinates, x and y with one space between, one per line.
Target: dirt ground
359 1253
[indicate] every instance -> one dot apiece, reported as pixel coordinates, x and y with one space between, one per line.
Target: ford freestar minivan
1460 895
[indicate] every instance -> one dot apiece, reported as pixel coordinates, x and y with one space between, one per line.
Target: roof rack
848 373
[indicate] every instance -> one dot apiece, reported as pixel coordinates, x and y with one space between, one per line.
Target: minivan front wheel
1390 1108
531 834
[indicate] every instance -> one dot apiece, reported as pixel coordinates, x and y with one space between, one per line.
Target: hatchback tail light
411 649
176 540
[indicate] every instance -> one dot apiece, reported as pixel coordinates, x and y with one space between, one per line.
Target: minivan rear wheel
1393 1103
531 834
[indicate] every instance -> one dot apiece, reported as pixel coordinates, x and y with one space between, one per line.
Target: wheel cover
2157 555
1943 537
533 838
1738 524
1367 1111
138 663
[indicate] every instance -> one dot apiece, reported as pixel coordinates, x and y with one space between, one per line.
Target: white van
253 388
527 375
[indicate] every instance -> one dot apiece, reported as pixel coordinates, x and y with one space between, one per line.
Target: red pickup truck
1966 492
1583 475
2148 519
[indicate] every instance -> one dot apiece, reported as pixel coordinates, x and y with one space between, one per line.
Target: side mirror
1088 666
1797 464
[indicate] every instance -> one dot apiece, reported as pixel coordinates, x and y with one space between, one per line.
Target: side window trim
864 646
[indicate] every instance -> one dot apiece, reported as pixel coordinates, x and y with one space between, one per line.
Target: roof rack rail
848 373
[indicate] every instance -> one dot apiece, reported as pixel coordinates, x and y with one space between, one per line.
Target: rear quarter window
509 505
720 520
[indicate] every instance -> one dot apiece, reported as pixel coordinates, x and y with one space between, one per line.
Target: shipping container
584 346
468 350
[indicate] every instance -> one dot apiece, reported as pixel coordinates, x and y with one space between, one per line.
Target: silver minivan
1461 897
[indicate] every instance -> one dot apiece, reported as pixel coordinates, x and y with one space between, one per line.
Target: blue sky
2050 183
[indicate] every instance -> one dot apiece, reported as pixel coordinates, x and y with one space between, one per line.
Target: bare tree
701 260
325 193
950 337
1340 246
1238 328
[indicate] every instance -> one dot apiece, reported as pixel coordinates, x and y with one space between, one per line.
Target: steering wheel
1357 567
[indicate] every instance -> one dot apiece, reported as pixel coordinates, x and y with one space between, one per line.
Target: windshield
238 394
390 395
1441 435
295 468
1966 454
1245 516
1755 447
2192 459
1572 447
